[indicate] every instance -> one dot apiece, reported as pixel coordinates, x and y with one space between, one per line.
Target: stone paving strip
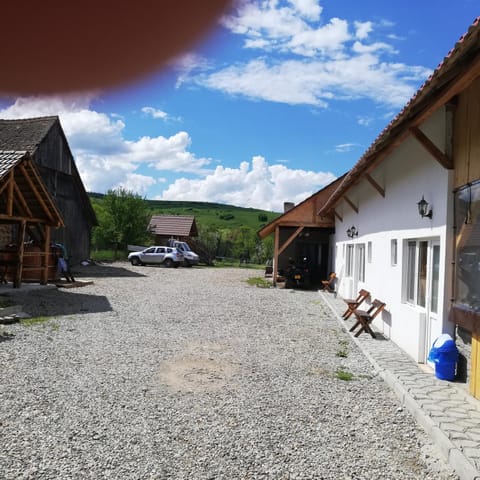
445 410
152 373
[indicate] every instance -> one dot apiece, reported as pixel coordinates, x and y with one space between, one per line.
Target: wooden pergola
25 204
296 220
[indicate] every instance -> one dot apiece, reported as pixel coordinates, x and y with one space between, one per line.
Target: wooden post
475 364
17 282
275 255
45 256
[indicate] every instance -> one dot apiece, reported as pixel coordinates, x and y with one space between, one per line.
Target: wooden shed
180 227
45 140
302 232
29 212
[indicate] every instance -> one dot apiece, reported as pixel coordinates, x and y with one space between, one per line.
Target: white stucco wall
406 174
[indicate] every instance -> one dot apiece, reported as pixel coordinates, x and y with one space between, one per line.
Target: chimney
287 206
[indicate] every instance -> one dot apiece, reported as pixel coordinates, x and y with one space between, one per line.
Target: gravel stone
155 373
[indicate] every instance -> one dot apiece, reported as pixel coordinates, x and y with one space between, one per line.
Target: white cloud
316 82
308 8
364 121
104 157
345 147
155 113
363 29
256 185
296 57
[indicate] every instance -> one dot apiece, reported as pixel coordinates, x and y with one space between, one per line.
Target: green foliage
224 230
344 375
104 255
123 218
28 322
259 282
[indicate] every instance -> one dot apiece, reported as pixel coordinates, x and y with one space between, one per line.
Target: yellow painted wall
466 151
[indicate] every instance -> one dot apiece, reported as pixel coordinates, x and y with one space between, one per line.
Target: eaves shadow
103 270
52 302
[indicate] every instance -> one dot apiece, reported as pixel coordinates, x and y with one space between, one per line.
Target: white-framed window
393 252
416 272
349 261
360 262
369 252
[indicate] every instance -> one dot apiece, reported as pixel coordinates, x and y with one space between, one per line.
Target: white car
189 256
167 256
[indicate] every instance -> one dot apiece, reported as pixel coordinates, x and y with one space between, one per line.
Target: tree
123 218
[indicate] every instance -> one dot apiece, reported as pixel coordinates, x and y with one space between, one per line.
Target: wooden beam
45 256
22 201
18 218
275 254
352 205
431 148
42 187
290 239
11 184
17 282
375 185
337 215
36 192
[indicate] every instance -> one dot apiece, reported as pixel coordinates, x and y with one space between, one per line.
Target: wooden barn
43 138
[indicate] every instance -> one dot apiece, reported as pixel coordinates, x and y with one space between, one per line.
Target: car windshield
184 246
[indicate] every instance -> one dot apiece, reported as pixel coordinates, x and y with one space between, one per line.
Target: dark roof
31 199
173 225
24 134
270 227
449 78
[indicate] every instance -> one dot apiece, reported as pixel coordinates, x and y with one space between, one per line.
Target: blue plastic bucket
444 354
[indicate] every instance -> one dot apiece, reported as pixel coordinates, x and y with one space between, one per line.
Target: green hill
208 214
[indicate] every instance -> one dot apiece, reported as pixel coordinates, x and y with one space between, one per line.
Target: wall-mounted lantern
352 232
423 208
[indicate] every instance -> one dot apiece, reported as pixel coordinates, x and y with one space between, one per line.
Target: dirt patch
198 369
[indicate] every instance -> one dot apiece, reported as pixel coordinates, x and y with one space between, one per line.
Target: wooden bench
354 303
366 317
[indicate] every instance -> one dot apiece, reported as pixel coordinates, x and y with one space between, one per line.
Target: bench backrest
375 308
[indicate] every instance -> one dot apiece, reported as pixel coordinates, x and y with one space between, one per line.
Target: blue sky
279 100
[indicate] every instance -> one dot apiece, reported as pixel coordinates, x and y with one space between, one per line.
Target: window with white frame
349 261
416 272
393 252
361 262
369 252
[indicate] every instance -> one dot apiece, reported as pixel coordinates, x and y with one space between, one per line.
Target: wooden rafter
432 149
290 239
36 192
352 205
21 199
44 190
375 185
337 215
11 184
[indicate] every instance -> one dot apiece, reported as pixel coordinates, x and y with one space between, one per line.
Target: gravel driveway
155 373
